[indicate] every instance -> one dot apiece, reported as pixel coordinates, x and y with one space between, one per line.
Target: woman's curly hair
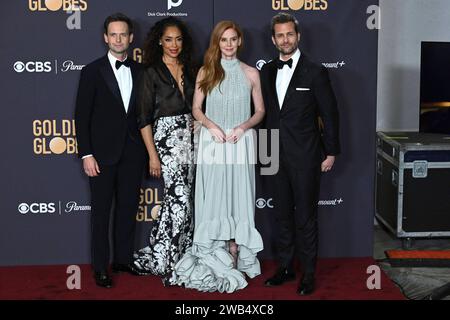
153 51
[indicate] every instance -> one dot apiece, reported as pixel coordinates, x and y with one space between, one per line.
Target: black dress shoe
102 279
129 268
306 285
280 277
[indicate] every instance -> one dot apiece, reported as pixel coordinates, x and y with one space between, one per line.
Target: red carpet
337 279
419 258
418 254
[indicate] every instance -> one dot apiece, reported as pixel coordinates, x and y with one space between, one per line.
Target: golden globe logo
307 5
54 137
147 197
137 55
56 5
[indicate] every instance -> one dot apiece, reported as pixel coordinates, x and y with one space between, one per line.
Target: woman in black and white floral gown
165 95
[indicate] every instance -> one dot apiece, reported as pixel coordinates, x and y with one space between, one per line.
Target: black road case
413 184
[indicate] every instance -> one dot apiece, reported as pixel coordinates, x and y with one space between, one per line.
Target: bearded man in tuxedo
296 93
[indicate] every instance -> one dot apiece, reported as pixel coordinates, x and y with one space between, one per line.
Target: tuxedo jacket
102 124
303 143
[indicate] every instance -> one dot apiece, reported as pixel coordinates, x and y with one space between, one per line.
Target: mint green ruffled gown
224 195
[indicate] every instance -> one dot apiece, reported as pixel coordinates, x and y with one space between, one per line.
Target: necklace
175 73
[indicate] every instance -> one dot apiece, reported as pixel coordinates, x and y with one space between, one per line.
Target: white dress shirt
284 77
124 79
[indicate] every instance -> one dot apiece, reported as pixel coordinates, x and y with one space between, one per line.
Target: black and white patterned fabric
172 232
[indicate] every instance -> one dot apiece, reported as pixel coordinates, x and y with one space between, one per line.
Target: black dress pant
120 183
296 201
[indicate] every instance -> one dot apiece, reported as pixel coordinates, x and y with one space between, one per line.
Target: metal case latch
420 169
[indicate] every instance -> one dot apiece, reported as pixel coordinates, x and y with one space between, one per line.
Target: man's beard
287 51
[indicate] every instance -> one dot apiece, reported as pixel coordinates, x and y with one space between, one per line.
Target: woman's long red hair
213 73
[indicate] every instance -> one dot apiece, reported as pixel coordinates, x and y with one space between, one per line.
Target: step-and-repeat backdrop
45 208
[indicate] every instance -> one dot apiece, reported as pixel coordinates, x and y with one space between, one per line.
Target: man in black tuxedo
111 148
296 92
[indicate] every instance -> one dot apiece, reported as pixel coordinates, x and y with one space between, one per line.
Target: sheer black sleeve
146 99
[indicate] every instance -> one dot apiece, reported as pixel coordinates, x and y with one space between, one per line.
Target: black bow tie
281 63
125 62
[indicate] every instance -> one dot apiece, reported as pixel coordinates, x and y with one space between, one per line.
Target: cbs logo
43 207
33 66
262 203
260 64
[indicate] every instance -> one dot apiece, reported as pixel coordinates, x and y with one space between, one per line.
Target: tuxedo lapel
273 85
110 79
134 74
299 73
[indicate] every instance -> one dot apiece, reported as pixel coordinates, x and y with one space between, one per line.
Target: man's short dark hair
118 17
283 17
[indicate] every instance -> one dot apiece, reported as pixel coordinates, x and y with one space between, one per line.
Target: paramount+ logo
307 5
57 5
54 137
173 3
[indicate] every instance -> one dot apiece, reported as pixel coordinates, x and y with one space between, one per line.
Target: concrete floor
416 283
